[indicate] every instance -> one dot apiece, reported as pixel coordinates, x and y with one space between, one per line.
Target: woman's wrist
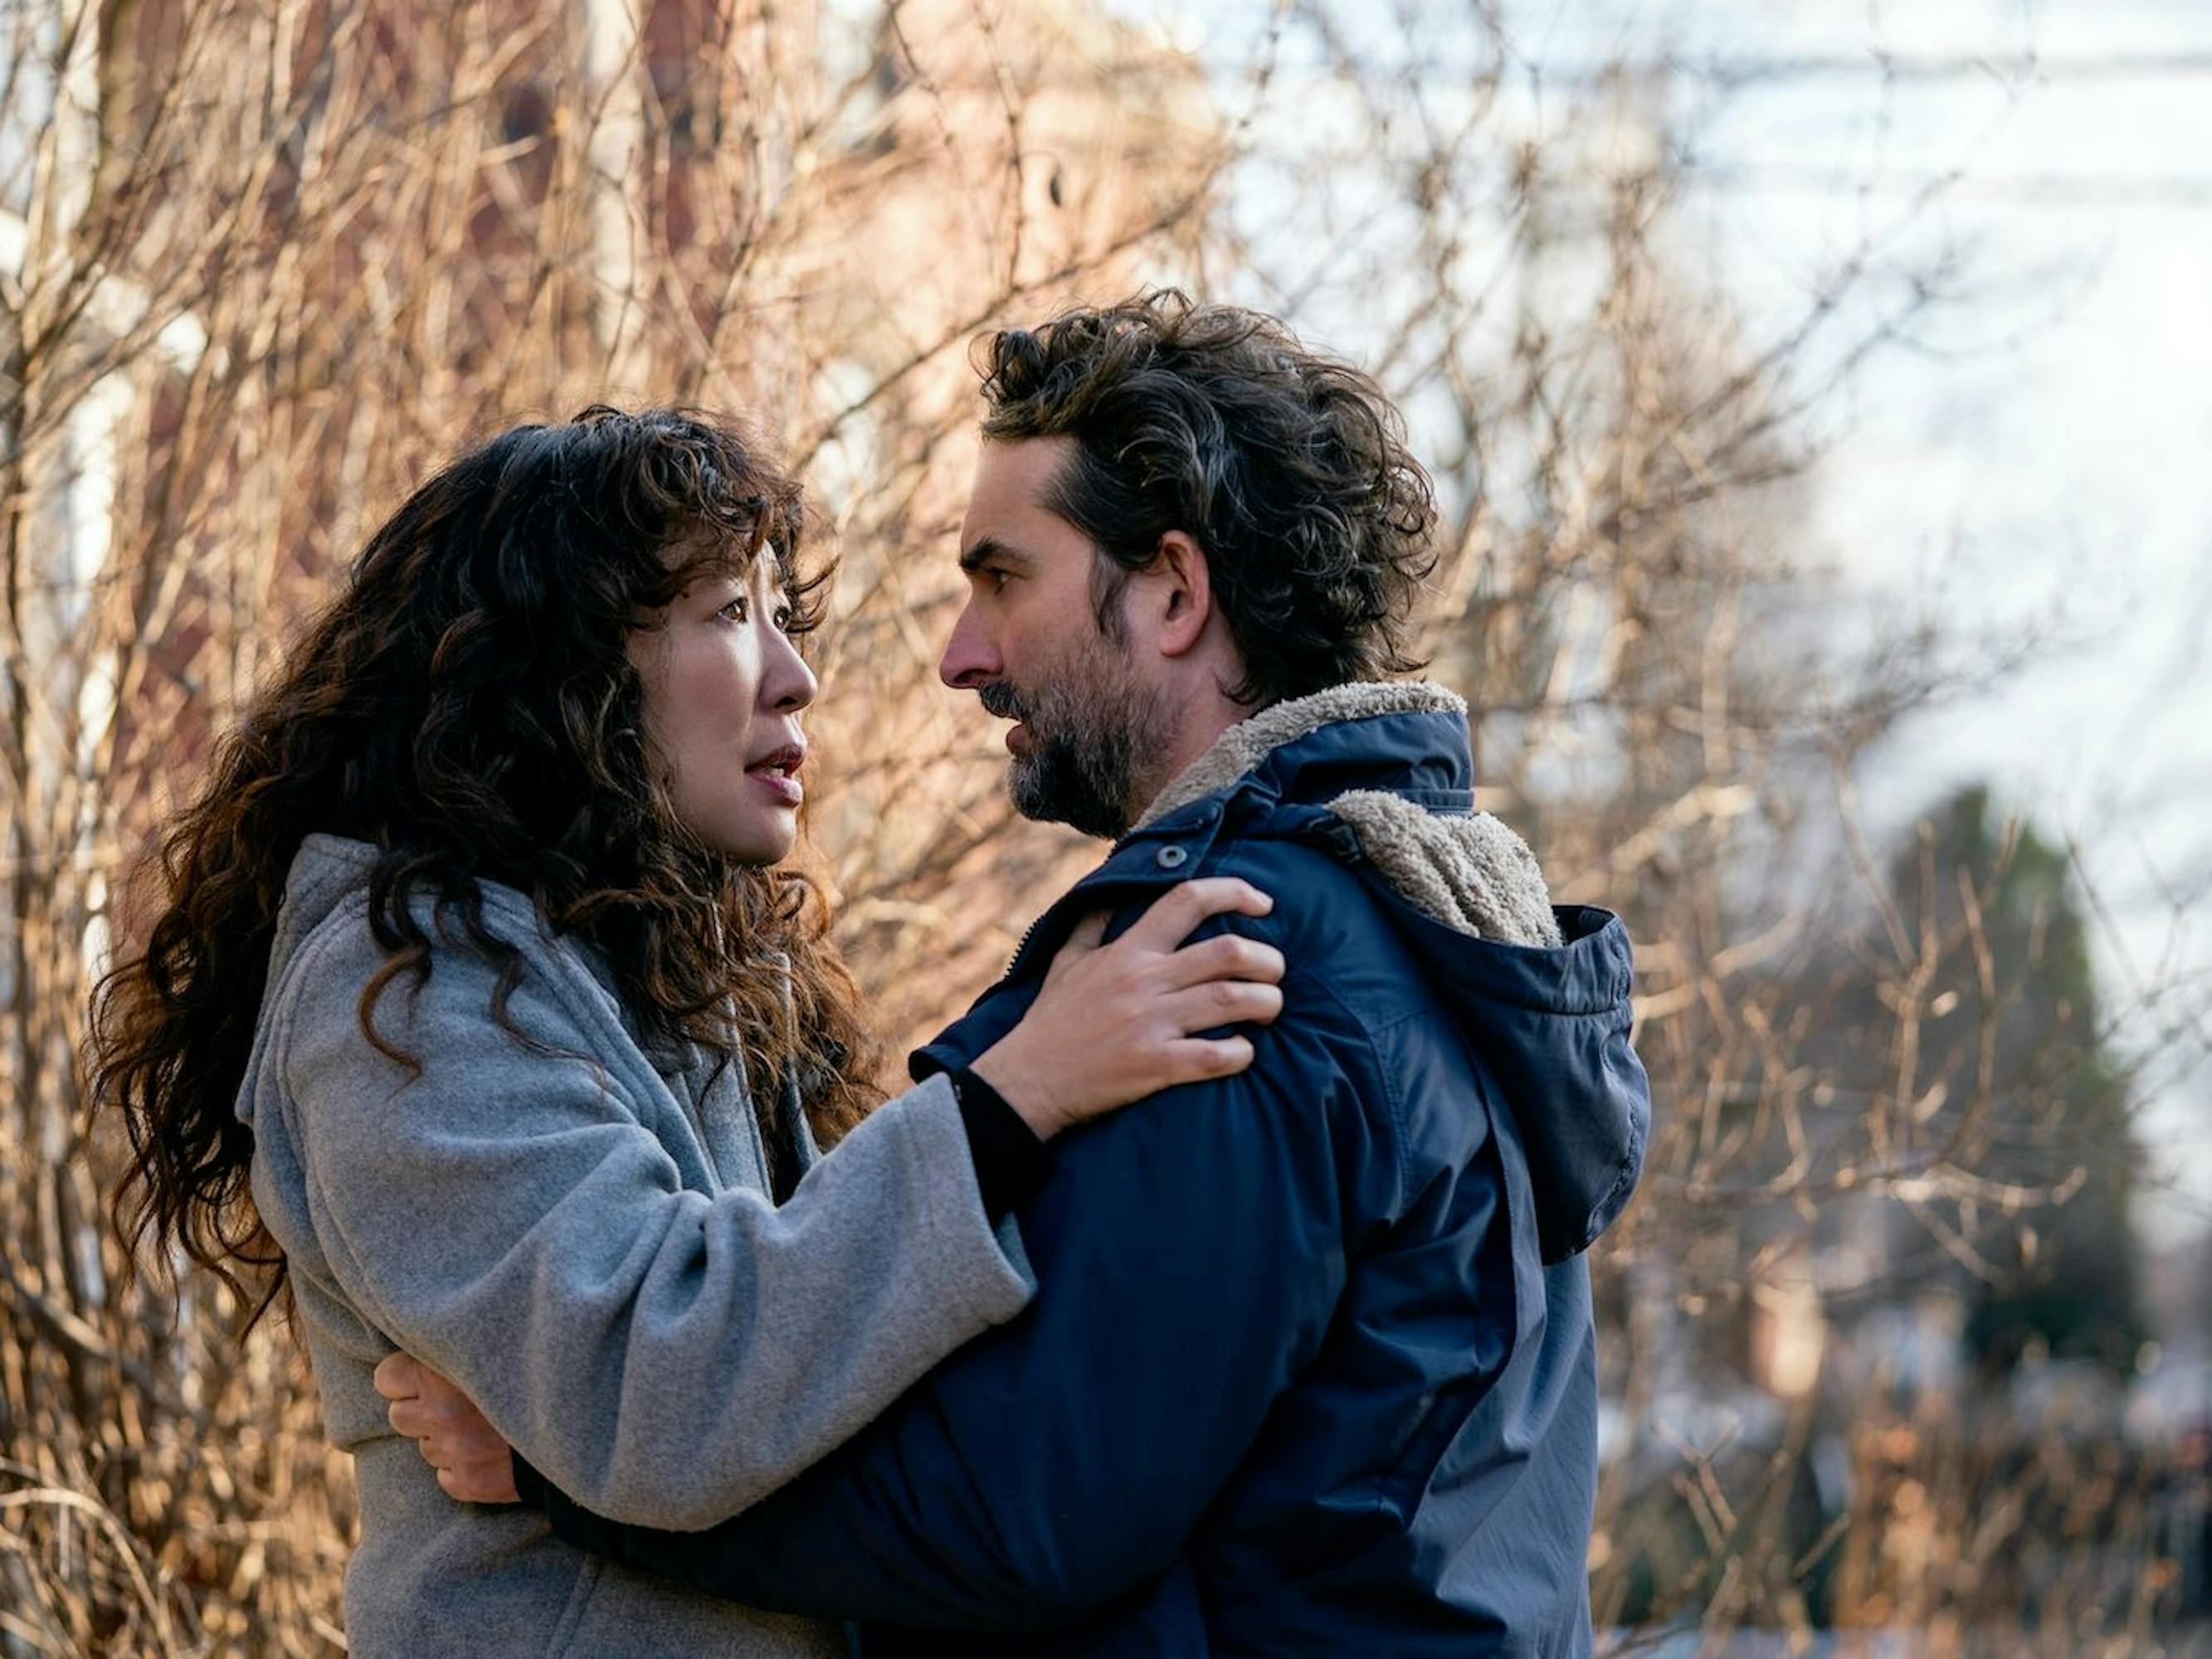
1031 1095
1010 1162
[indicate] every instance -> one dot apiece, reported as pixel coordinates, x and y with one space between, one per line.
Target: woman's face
724 690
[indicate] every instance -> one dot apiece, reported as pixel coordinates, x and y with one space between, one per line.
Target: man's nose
970 660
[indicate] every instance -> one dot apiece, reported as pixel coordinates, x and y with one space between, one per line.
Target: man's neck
1202 722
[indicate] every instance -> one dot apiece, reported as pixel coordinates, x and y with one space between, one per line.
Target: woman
477 1017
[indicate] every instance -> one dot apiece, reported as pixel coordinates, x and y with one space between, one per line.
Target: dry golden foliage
268 263
263 263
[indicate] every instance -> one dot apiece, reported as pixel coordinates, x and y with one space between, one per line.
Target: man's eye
999 579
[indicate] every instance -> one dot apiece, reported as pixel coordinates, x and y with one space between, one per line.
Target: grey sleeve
507 1217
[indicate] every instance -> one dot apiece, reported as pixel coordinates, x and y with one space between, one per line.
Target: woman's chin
765 852
762 843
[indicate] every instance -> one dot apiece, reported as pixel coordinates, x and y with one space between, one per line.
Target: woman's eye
783 620
736 610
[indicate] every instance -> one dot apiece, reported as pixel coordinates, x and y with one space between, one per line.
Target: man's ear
1184 594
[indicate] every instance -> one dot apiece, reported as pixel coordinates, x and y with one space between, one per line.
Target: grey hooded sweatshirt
587 1247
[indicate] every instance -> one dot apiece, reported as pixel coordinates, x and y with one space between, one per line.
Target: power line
1735 72
2027 188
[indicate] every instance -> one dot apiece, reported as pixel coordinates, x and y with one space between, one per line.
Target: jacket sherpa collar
1245 746
1467 870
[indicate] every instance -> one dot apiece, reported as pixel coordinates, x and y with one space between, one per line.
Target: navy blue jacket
1309 1368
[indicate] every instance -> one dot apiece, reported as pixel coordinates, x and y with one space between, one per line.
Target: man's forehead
1021 470
1014 478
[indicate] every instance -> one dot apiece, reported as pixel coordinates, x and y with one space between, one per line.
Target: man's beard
1095 737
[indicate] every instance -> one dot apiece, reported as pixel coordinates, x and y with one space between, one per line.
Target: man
1309 1368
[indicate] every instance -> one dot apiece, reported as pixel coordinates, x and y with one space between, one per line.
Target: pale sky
2035 454
2040 457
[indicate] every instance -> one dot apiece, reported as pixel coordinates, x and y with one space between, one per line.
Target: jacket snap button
1172 857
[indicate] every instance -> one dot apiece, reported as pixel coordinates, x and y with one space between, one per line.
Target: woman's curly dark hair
467 706
1289 468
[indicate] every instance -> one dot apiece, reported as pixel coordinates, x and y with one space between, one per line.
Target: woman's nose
790 682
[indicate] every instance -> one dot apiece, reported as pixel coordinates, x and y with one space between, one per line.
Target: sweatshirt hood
325 871
1380 776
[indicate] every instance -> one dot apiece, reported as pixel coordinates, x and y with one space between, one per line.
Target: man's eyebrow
984 551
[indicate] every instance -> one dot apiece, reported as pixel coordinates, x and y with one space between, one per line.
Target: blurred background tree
1870 1332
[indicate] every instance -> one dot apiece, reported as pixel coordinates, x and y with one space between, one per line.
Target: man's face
1093 729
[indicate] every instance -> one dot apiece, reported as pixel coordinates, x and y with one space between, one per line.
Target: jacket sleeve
507 1215
1191 1251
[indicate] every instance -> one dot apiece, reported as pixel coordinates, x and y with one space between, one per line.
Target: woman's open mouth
778 774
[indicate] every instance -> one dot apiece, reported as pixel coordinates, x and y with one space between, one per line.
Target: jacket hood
1380 774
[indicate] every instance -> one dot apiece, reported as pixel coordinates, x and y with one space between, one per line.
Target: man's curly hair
1288 467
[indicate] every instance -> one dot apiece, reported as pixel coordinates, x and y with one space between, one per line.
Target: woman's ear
1183 593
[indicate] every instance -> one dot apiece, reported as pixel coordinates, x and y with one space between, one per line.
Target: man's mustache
1002 700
